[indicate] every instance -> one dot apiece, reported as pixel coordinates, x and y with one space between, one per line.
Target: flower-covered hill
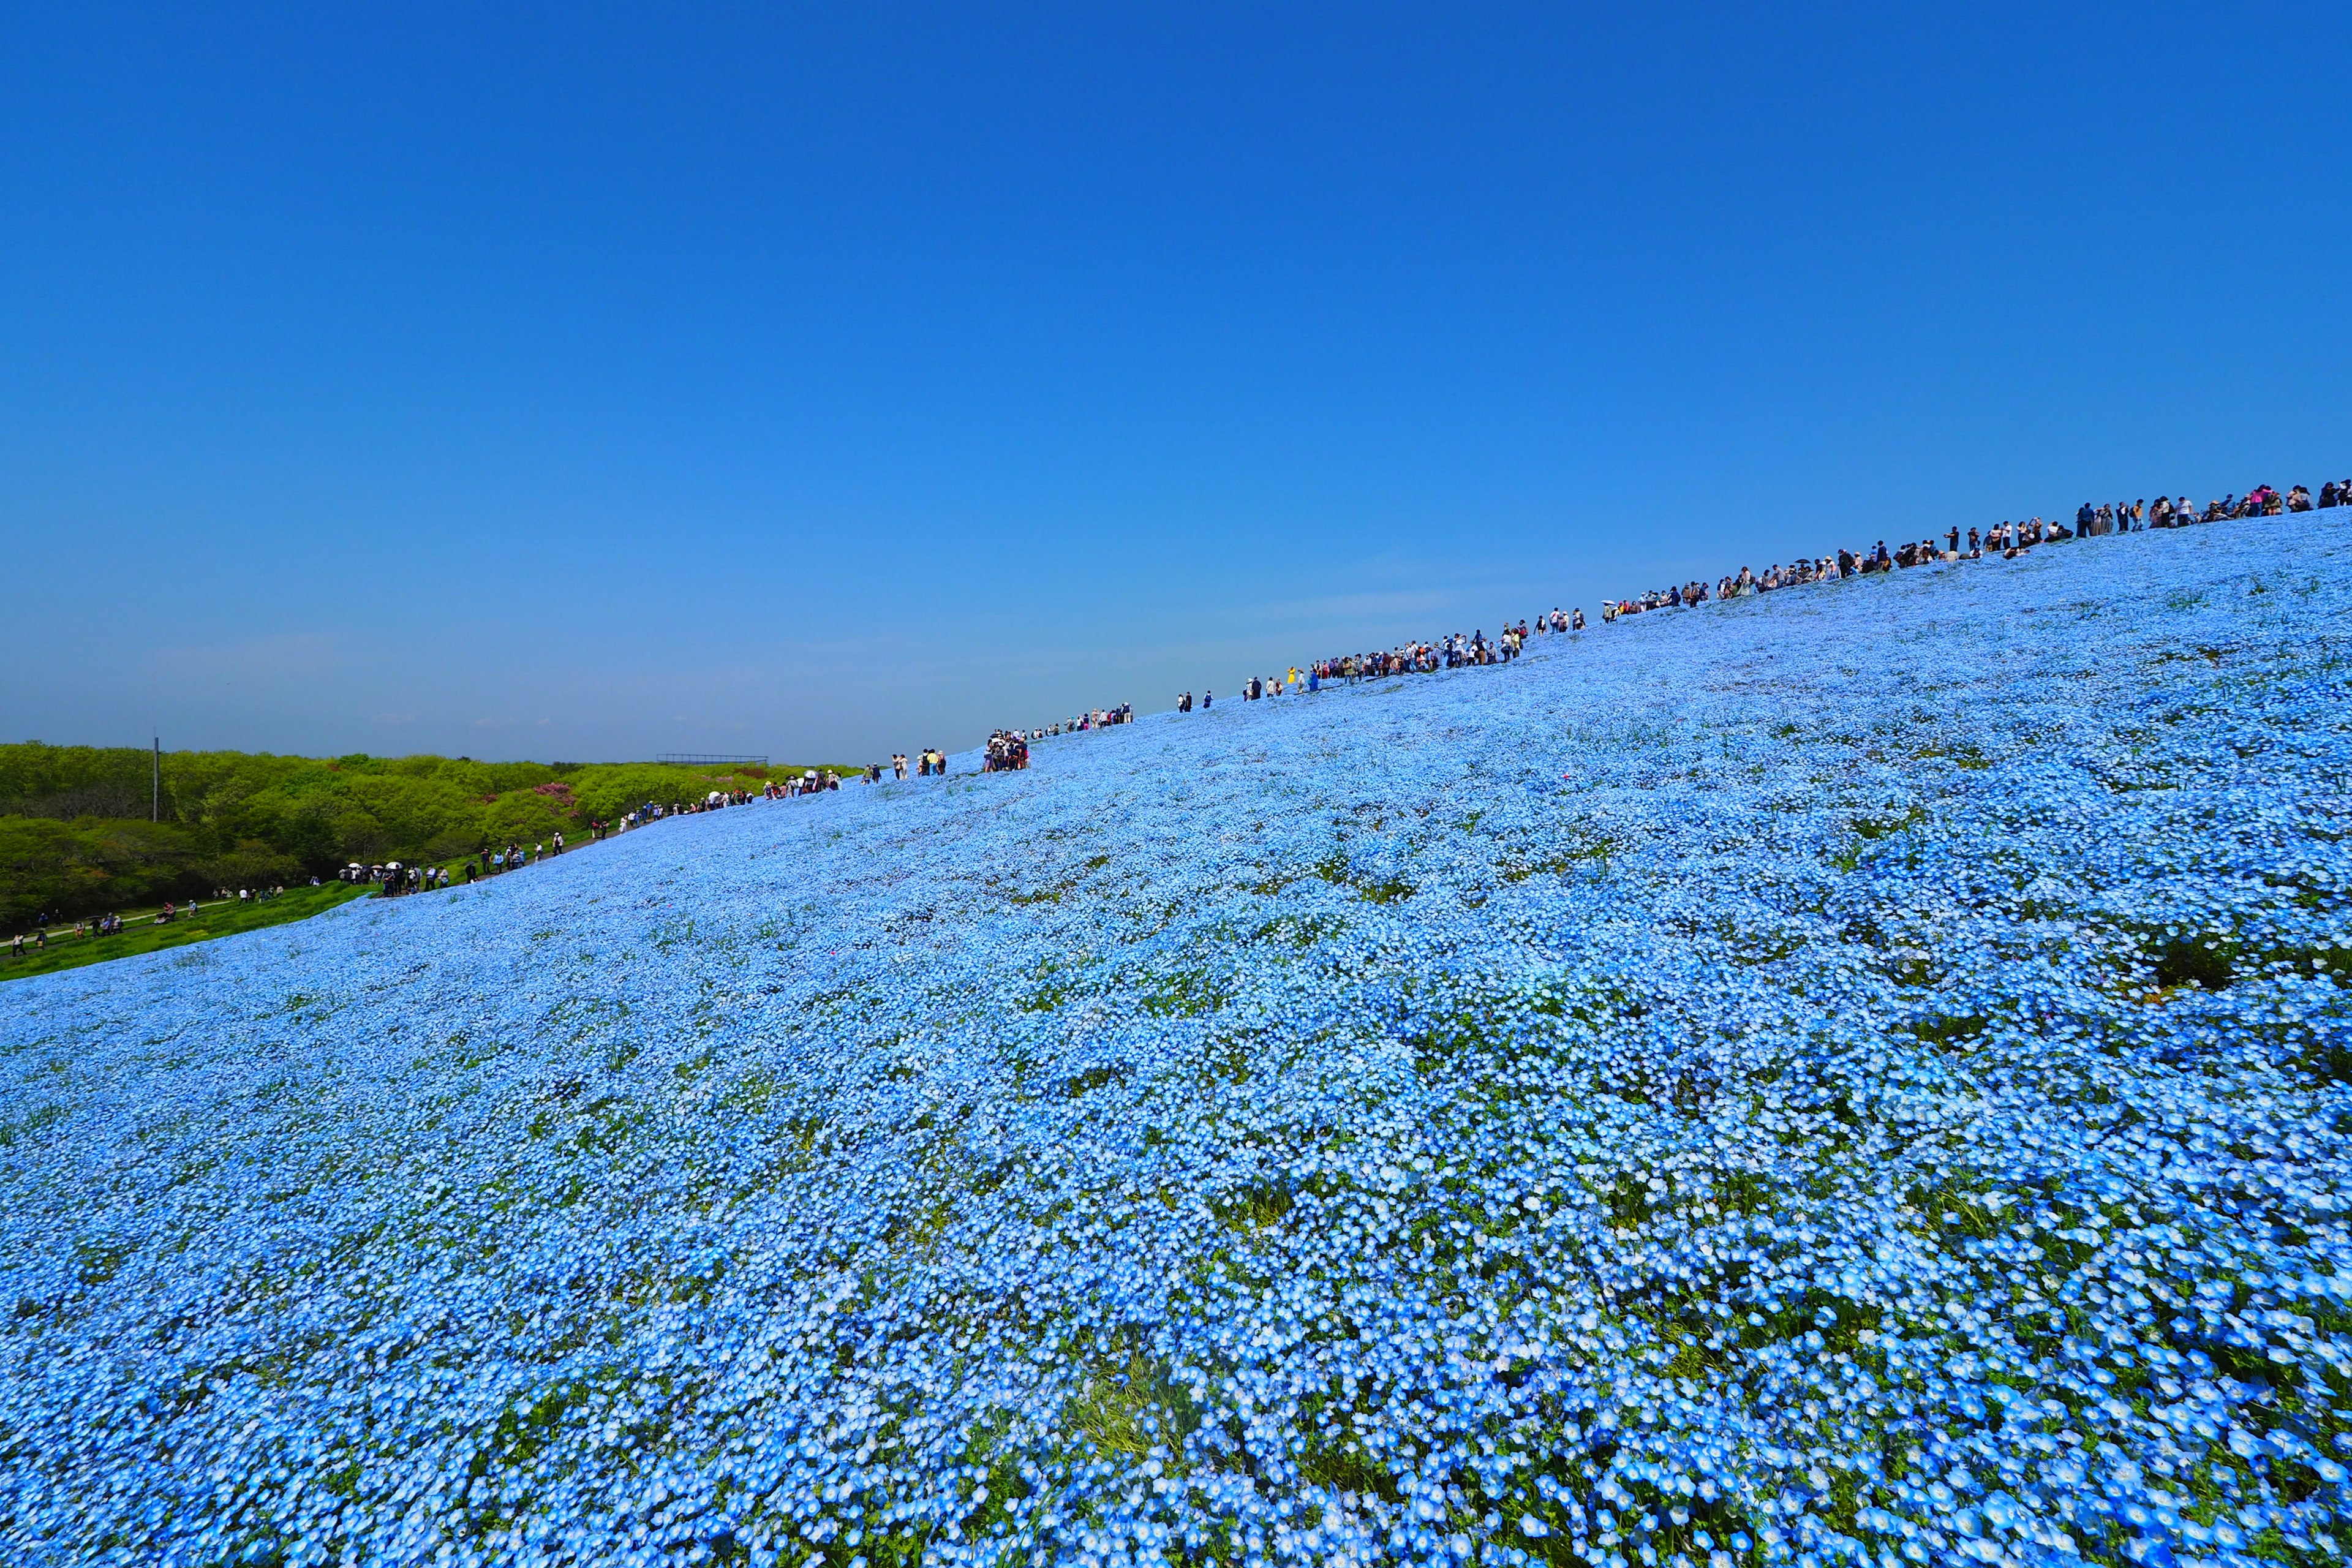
1862 1068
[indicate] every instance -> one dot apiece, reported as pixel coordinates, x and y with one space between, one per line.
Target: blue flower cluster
1861 1081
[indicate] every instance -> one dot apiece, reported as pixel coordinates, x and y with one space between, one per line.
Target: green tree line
75 838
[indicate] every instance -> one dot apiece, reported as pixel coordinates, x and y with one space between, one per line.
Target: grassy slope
66 951
220 918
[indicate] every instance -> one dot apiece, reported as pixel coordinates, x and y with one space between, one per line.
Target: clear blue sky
573 383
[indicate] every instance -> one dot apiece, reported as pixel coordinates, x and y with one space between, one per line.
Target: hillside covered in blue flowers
1852 1075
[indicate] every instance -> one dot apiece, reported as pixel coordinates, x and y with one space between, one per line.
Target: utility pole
155 810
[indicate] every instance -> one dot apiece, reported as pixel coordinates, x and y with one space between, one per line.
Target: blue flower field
1857 1075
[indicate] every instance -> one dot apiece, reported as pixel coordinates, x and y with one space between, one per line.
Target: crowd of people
397 880
1458 651
1092 718
809 781
2007 539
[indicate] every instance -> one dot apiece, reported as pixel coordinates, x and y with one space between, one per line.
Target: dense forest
75 838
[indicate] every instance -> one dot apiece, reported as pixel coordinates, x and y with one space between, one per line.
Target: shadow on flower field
1854 1074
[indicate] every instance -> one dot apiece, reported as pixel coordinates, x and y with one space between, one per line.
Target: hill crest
1703 1086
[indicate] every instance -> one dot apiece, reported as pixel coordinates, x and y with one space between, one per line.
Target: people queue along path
392 879
2007 540
1455 652
36 941
397 880
1008 750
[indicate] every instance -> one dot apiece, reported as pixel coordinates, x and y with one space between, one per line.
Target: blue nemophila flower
1847 1073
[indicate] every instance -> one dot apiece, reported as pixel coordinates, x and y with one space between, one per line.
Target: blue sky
576 384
